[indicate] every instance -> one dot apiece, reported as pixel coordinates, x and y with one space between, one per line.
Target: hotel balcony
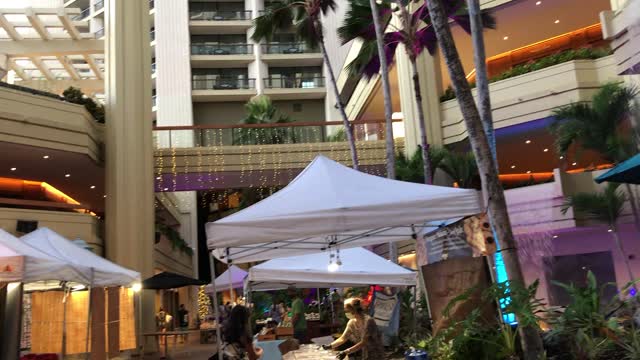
219 22
291 54
221 55
294 87
218 89
534 95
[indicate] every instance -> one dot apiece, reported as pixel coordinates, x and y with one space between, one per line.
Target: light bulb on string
333 267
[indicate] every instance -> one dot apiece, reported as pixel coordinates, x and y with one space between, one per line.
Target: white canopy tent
329 205
360 267
98 270
39 266
233 278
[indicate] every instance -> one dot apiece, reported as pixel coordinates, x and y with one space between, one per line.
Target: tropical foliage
460 167
597 126
261 111
304 17
174 237
539 64
76 96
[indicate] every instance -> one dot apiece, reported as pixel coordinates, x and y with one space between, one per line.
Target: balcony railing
294 82
98 5
288 48
152 35
221 49
154 100
152 4
265 134
153 68
83 14
99 33
222 83
220 15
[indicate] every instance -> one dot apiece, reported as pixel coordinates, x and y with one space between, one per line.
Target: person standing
298 320
362 338
183 321
238 343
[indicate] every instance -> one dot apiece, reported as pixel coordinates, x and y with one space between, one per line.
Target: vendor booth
329 208
54 263
230 280
360 267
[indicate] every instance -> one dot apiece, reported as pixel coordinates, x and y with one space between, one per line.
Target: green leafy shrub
535 65
76 96
177 242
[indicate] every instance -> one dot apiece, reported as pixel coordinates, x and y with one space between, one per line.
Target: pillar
430 84
128 140
98 321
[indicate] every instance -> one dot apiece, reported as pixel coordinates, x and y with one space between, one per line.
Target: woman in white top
361 334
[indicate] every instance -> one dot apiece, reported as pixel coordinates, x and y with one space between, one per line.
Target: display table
310 352
271 350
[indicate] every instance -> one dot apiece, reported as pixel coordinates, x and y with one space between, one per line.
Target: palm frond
461 167
279 16
605 206
358 21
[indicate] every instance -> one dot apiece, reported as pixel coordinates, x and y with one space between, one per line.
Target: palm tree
306 18
599 127
410 168
260 110
386 92
462 168
497 206
482 76
413 34
605 207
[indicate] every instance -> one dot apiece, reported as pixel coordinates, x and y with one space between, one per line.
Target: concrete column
129 155
430 84
257 69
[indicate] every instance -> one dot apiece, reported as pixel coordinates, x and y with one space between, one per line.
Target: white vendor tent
329 205
360 267
98 270
233 278
39 266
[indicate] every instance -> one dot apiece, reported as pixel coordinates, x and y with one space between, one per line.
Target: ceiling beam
68 25
37 24
36 47
94 67
43 68
8 27
19 70
67 66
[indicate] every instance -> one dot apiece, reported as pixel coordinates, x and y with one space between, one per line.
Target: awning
39 266
627 172
168 280
332 206
232 278
98 270
360 267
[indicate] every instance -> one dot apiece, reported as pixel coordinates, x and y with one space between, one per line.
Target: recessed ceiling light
505 38
14 169
513 166
166 189
555 236
528 171
528 142
557 22
561 157
538 3
67 175
45 157
609 230
158 177
92 187
104 196
574 164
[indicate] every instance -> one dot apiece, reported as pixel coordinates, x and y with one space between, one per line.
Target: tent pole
86 342
318 295
231 295
64 320
215 304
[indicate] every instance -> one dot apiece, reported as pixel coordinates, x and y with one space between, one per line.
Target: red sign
11 268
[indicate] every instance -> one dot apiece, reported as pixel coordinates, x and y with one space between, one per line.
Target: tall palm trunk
424 144
497 206
348 129
616 238
405 16
386 91
482 77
